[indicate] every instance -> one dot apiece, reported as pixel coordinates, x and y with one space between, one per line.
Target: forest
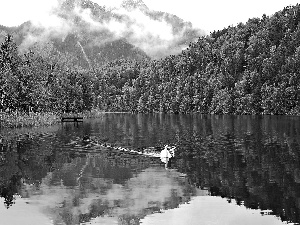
251 68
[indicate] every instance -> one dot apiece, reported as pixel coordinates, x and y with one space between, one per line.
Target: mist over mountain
94 33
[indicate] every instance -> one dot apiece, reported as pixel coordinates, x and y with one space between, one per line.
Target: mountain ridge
107 34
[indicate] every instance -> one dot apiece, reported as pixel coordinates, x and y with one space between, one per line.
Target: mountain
79 48
94 34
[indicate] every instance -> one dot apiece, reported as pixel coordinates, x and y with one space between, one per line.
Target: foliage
252 68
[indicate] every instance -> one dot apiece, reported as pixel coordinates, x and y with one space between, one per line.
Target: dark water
251 163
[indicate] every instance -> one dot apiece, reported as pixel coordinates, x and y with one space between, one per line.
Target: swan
164 155
167 153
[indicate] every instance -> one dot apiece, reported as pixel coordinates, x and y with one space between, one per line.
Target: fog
97 23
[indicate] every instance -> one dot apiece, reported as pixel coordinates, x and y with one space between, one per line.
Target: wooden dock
74 119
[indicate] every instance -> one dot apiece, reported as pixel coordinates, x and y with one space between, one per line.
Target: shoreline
22 120
19 120
28 120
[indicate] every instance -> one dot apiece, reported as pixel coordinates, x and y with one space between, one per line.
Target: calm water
226 170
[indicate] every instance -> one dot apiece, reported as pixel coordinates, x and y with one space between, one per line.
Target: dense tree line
250 68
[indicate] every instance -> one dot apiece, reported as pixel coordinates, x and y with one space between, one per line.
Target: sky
206 15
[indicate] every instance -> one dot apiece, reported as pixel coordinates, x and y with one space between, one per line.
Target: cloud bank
100 21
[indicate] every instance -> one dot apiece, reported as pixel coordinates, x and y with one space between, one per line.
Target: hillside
251 68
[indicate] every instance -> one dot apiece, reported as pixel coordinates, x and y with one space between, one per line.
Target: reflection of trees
9 188
21 160
75 186
146 192
254 161
100 193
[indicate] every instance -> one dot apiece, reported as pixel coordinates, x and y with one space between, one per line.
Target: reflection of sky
135 190
201 210
47 204
22 213
210 210
153 186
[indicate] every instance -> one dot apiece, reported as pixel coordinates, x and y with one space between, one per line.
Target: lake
226 170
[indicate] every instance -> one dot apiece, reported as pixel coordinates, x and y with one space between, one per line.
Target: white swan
167 153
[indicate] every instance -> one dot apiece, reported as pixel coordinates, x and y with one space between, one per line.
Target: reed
19 119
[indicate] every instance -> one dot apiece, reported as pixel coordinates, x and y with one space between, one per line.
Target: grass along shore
20 119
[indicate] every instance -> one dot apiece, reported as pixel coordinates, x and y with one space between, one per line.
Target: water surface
226 170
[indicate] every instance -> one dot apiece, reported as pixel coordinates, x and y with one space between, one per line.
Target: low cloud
156 33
